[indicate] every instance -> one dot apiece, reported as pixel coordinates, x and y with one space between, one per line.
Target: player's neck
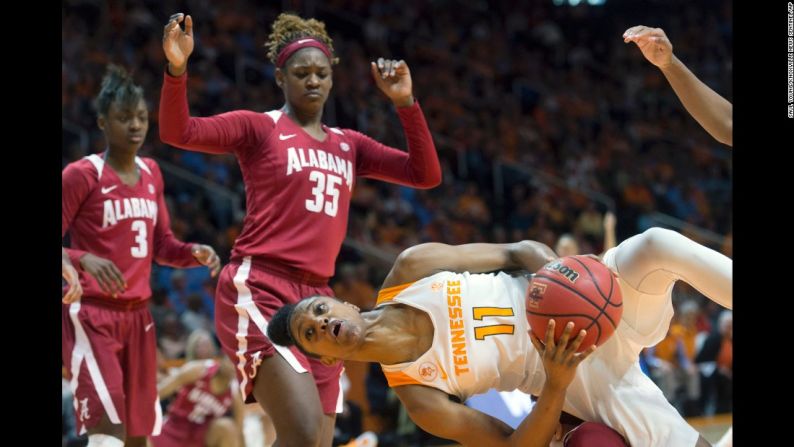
121 162
393 337
307 120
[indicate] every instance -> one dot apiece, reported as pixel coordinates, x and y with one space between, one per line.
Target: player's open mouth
337 327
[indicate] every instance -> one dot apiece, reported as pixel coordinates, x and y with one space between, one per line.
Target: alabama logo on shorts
428 371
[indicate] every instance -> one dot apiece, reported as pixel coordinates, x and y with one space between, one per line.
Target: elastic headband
305 42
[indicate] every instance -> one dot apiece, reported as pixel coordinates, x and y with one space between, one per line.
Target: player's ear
279 78
328 360
100 122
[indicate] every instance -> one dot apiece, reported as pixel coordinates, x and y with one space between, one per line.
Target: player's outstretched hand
560 359
206 256
394 79
653 43
178 44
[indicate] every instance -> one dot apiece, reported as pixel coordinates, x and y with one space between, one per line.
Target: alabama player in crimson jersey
299 175
206 391
118 223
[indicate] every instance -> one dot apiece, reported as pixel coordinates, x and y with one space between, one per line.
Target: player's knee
656 241
591 434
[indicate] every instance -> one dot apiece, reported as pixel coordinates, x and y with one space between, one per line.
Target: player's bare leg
329 421
103 434
292 402
222 432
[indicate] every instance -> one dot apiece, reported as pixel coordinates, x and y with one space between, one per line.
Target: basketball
578 289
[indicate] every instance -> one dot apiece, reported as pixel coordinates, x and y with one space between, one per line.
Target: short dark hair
278 329
117 86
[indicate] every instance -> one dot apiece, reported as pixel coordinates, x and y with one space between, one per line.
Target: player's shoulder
89 168
149 165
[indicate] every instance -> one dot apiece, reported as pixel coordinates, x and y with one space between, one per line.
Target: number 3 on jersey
143 247
326 193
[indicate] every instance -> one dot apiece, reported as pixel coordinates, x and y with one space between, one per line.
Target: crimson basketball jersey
197 404
297 188
128 225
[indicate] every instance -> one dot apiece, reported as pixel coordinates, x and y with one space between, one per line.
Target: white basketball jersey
480 336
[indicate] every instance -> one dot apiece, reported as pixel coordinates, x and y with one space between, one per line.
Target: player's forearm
168 387
175 253
711 110
538 428
530 255
423 165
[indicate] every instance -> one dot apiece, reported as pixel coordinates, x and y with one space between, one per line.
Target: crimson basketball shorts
247 297
110 356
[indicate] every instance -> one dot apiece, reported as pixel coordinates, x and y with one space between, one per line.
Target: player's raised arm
219 134
426 259
711 110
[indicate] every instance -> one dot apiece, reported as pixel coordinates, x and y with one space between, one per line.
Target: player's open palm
105 272
394 79
206 256
653 43
178 44
560 359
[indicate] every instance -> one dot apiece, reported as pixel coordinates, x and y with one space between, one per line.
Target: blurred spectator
715 360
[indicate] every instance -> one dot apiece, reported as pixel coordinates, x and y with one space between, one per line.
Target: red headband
299 44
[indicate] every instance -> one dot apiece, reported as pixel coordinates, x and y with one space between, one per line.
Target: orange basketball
579 289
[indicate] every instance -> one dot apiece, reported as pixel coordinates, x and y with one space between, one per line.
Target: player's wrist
176 70
670 64
404 102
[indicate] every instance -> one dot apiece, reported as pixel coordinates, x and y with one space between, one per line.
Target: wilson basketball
579 289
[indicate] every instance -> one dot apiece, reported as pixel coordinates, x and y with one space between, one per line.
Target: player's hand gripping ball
579 289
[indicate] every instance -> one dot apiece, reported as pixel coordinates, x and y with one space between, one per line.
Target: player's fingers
215 265
563 343
104 281
74 294
578 358
550 335
118 277
392 68
573 346
69 296
401 67
630 32
378 76
381 67
189 26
